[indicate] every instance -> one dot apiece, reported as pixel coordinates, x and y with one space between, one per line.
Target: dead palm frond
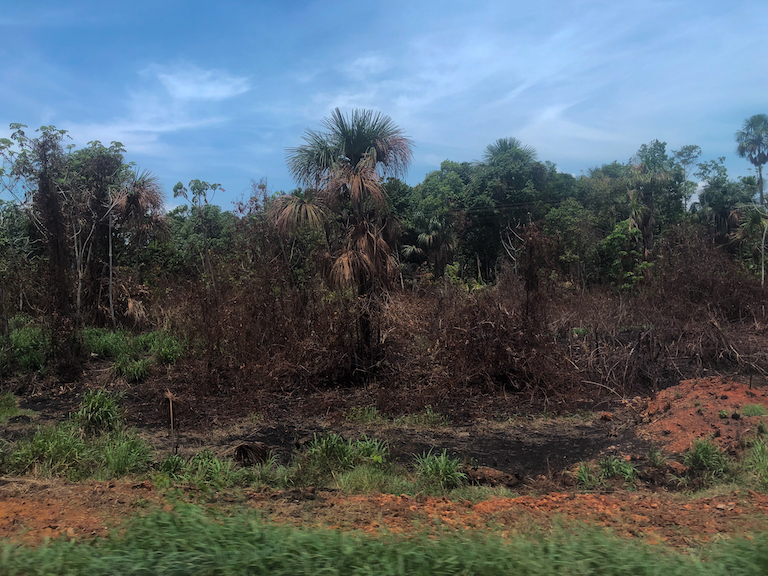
292 212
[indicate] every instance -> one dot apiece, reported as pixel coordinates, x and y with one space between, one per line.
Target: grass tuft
439 473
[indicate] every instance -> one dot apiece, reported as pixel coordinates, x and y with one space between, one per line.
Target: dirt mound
713 408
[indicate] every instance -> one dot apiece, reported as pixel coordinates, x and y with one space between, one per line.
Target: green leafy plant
723 414
586 479
99 412
105 343
753 410
613 467
364 415
756 462
439 472
133 371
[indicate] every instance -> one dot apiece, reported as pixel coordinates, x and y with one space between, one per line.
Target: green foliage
613 467
706 462
126 454
723 414
186 540
132 370
756 462
586 479
133 356
753 410
93 443
622 256
105 343
99 413
439 473
8 406
59 451
29 347
364 415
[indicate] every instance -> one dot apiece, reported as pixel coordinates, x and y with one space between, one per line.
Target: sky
218 90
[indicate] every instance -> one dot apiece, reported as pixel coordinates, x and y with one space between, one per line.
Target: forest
502 275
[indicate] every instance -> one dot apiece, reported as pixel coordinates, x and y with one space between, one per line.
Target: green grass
706 463
428 419
187 541
8 406
613 467
99 412
439 472
753 410
93 443
586 479
28 347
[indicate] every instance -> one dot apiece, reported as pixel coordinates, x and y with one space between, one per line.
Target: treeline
502 273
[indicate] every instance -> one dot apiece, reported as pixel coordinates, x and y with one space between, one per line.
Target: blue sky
218 90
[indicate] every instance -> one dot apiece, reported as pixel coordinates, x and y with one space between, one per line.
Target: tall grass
186 541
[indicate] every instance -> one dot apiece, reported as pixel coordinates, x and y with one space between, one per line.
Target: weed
366 478
126 454
756 462
613 467
58 451
753 410
371 450
429 419
134 371
586 479
723 414
8 407
329 453
656 458
706 461
761 428
364 415
104 343
99 412
439 472
174 466
168 349
29 347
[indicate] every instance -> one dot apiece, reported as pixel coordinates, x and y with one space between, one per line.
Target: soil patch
703 408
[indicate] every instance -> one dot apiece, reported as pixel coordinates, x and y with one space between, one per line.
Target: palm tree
752 142
346 165
503 146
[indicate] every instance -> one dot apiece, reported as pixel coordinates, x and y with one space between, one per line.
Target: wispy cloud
187 82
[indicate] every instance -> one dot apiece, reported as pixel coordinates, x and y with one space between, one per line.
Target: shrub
439 472
329 453
99 413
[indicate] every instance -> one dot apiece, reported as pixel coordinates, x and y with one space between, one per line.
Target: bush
612 467
134 371
439 473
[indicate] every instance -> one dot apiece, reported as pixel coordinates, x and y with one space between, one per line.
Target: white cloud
188 82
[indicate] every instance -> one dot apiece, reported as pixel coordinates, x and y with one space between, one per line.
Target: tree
686 159
346 164
752 142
